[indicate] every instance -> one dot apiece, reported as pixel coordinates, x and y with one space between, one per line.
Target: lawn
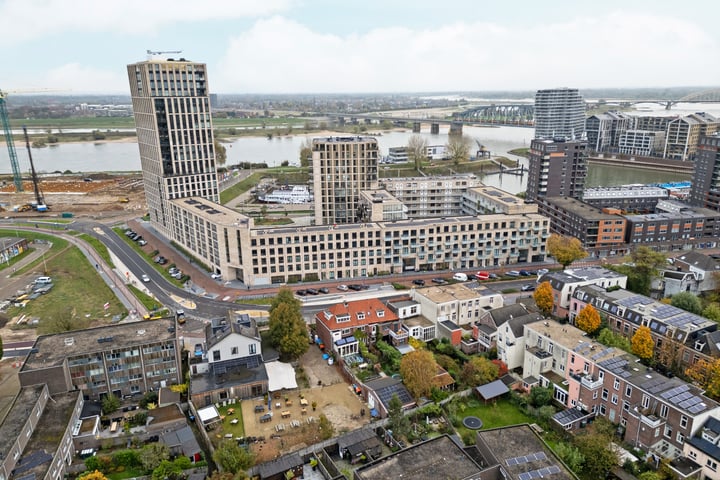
128 473
241 187
493 415
238 429
99 247
78 296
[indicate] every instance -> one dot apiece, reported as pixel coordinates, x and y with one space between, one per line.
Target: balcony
591 383
651 420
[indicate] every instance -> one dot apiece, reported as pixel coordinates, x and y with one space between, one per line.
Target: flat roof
573 339
52 350
46 440
580 209
16 417
453 292
212 211
520 451
439 457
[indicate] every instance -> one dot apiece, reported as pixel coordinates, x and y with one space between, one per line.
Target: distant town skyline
321 46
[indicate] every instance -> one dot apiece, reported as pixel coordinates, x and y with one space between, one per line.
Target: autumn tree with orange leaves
588 319
543 297
418 369
642 343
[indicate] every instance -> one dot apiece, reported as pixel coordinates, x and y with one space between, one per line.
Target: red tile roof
372 309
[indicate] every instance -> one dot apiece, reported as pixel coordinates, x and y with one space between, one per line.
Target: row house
703 267
564 284
704 448
562 357
681 338
336 325
457 303
656 413
412 321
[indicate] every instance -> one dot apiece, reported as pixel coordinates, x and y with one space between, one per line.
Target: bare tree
458 148
417 150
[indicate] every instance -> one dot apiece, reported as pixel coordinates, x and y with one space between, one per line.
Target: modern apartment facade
646 143
628 198
122 360
675 226
556 168
705 189
683 135
265 256
342 168
431 196
600 231
603 130
559 113
171 105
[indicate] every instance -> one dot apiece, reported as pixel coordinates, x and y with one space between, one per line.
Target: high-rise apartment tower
556 168
171 104
705 189
342 167
559 113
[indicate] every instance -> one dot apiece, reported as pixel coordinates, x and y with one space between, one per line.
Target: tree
650 475
543 297
220 153
687 301
95 475
478 371
127 458
598 454
398 422
642 268
153 454
707 375
669 355
610 339
570 455
712 312
390 355
232 457
110 404
306 153
565 249
457 148
288 332
449 364
540 396
642 343
417 150
326 427
418 369
284 295
166 470
588 319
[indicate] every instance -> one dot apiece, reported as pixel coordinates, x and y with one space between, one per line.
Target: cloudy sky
329 46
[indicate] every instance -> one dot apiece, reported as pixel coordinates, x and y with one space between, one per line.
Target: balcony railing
591 383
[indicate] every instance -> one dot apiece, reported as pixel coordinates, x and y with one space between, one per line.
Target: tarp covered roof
492 389
280 376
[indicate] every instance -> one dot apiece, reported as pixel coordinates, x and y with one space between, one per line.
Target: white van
461 277
43 280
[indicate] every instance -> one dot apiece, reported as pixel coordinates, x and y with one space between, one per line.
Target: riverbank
645 163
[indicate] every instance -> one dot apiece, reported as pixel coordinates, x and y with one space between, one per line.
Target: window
602 409
604 394
616 383
692 454
216 355
711 464
645 401
252 348
626 406
614 399
234 351
680 438
601 375
595 394
586 367
663 410
628 391
668 431
683 421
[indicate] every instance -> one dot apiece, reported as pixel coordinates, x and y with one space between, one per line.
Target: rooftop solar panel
525 476
534 474
697 408
553 469
511 462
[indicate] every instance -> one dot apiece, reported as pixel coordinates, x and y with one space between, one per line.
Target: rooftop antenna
153 52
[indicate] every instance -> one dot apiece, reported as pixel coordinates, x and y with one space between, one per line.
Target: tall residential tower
556 168
171 104
342 167
705 190
559 113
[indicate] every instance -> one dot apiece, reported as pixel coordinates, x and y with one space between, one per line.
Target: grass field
241 187
98 246
493 415
78 295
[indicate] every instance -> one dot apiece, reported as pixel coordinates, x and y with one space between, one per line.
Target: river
123 156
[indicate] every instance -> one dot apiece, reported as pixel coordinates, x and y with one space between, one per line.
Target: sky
370 46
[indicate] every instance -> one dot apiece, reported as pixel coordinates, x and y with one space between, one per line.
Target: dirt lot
334 399
106 194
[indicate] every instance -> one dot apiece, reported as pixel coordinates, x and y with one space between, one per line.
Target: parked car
129 233
482 275
513 273
145 278
324 290
342 288
180 316
216 276
419 282
142 243
312 291
460 277
159 259
542 272
525 273
494 275
356 287
163 261
439 281
138 238
198 350
528 288
173 270
301 293
177 275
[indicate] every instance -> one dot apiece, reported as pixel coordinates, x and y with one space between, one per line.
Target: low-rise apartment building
230 244
627 198
601 231
123 359
645 143
564 284
675 226
683 134
431 196
485 199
